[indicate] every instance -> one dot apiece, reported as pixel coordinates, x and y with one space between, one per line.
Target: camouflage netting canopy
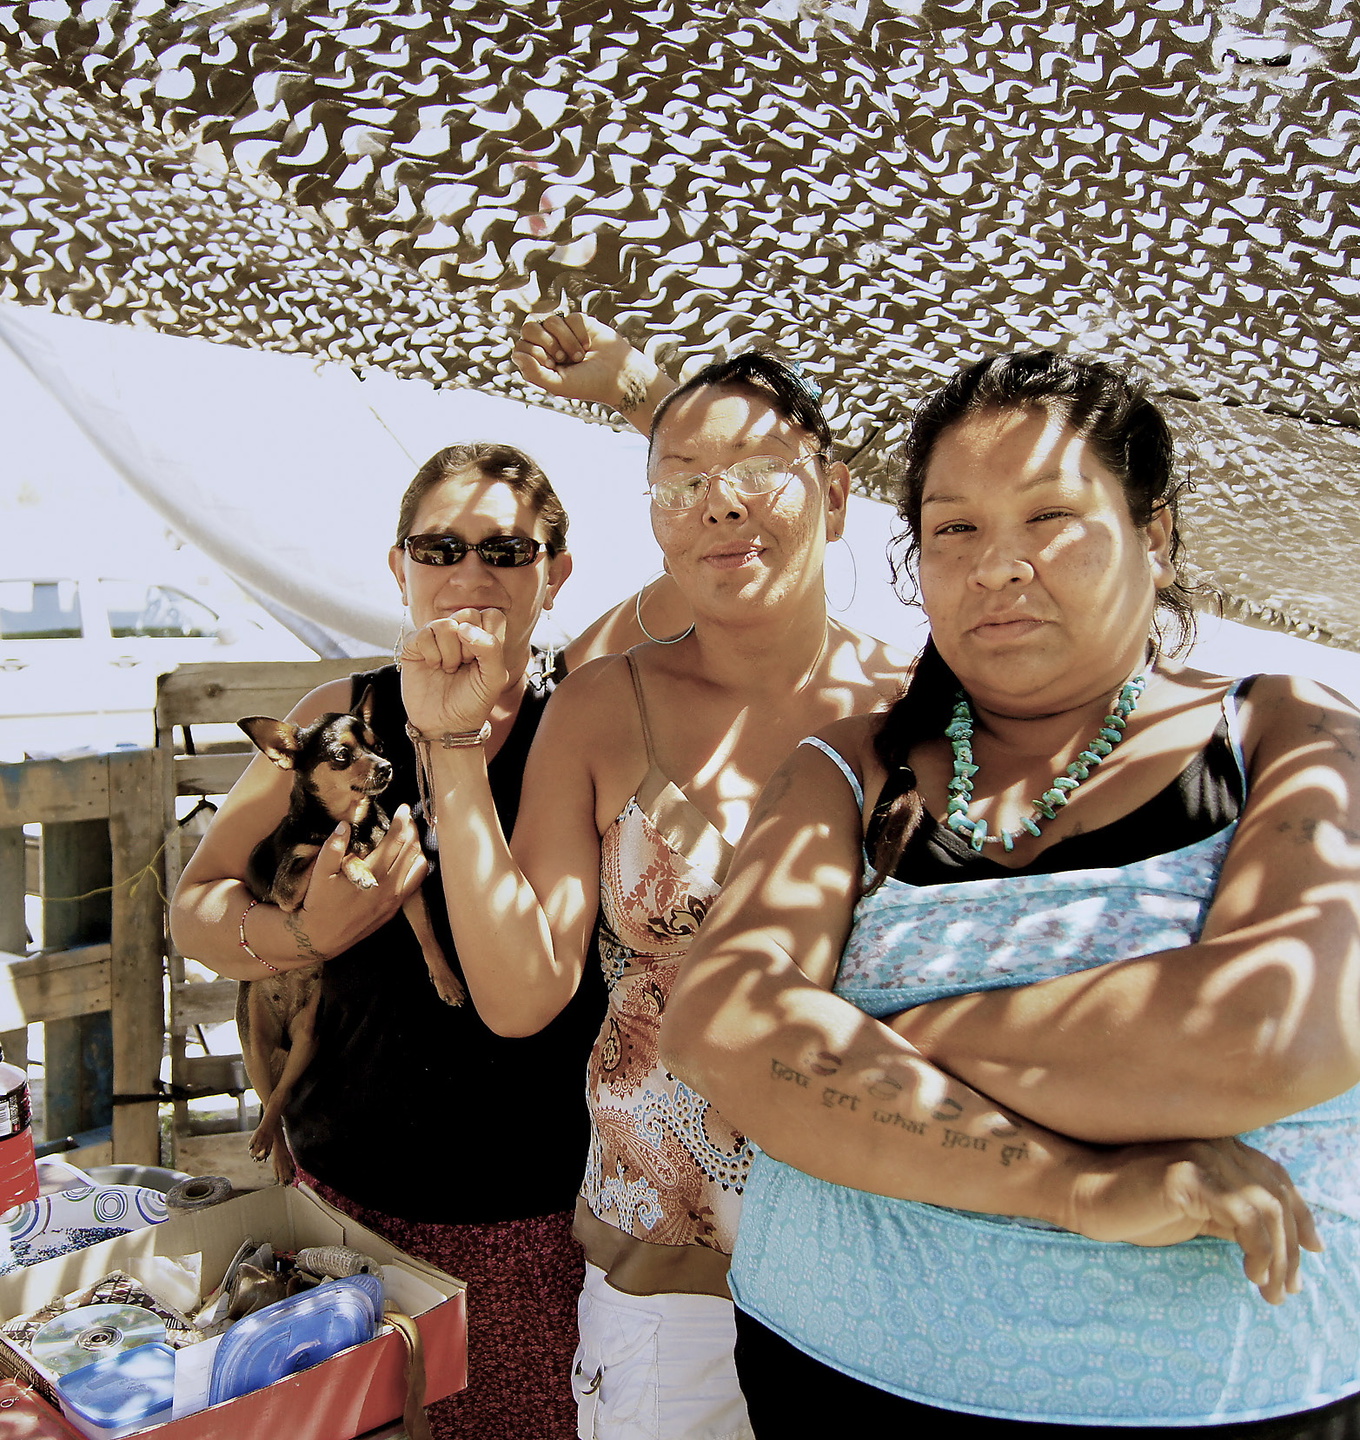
881 189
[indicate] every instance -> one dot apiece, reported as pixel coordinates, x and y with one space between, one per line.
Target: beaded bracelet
241 930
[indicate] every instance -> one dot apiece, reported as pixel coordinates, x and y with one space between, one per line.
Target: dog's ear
363 711
277 739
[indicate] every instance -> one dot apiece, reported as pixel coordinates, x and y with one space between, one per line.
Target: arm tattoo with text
1004 1142
305 949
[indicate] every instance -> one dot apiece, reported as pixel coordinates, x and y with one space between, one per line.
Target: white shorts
656 1367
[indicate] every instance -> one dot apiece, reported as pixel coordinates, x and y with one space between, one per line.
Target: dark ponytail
918 715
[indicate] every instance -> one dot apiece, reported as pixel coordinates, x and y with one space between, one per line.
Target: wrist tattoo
306 950
634 396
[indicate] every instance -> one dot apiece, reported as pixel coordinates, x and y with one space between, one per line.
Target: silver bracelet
451 739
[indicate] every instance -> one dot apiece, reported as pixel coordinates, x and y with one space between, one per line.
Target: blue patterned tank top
995 1316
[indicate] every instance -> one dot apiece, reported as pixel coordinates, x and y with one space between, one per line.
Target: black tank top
415 1107
1207 795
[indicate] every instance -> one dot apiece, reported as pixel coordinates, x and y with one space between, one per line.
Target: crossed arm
1259 1019
829 1090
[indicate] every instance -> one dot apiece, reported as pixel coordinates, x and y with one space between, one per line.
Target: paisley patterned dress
664 1167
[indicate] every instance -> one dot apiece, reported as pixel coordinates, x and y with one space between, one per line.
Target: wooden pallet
97 984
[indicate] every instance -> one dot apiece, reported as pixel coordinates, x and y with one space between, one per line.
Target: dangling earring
656 639
854 579
399 644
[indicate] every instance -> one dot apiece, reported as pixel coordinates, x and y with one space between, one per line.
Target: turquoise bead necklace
960 733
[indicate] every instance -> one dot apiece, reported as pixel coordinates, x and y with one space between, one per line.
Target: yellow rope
132 882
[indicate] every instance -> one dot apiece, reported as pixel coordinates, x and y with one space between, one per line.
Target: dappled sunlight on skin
726 782
1257 1020
1289 974
823 1087
718 775
850 655
761 422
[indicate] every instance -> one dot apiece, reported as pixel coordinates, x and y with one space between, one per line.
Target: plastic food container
128 1389
295 1334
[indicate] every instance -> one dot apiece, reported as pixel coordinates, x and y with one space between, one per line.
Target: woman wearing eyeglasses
1120 896
457 1144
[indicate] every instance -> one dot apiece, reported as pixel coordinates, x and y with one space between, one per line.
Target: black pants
791 1396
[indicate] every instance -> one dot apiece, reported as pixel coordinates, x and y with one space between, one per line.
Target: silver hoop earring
854 581
656 639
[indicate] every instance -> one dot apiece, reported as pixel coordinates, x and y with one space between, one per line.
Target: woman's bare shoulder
595 701
1267 699
332 698
881 669
853 740
596 680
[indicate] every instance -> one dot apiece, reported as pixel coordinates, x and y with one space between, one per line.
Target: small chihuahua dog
337 773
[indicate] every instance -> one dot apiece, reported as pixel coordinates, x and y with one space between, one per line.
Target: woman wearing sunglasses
458 1145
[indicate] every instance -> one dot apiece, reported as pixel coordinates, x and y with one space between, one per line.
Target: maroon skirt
523 1280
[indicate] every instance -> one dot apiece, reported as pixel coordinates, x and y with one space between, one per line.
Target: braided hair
1112 413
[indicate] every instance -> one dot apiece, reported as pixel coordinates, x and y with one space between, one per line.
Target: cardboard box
346 1396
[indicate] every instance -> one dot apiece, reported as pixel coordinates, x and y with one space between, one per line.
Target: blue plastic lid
295 1334
123 1389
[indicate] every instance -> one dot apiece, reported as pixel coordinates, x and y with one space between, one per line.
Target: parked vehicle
80 653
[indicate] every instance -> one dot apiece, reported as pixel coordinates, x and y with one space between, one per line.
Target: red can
18 1166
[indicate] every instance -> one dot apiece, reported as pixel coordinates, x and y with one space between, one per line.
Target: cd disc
89 1333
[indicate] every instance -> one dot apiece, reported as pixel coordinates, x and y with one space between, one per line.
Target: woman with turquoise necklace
1114 896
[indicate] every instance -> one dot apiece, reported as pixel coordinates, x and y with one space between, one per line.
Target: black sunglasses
502 551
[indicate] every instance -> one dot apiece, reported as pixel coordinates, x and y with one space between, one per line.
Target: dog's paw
451 993
360 875
447 985
263 1141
